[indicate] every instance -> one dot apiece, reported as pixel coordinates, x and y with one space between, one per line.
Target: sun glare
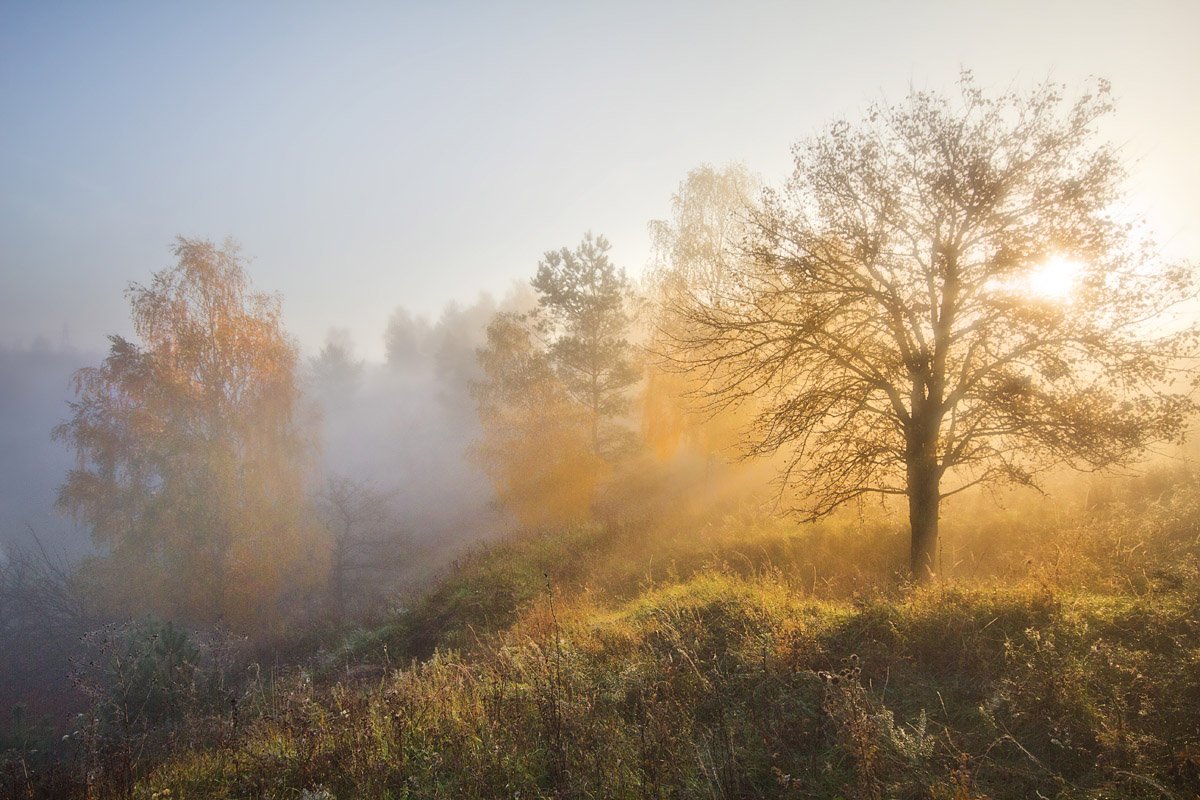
1054 280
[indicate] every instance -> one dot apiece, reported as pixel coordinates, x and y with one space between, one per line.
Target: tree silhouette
886 307
581 314
364 538
335 375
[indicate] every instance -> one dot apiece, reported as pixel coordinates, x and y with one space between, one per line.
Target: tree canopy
889 309
581 315
537 445
191 464
554 387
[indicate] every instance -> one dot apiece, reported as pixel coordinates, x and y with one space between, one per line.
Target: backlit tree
537 444
582 317
944 295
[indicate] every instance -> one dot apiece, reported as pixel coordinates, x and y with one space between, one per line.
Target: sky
375 155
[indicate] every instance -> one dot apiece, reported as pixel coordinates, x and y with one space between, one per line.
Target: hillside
747 658
722 686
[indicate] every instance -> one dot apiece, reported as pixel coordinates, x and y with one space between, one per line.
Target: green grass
721 685
749 657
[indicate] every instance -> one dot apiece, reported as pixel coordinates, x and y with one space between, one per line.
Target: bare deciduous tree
364 538
942 296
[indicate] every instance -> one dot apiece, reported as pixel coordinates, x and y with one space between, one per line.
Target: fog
609 399
405 426
34 391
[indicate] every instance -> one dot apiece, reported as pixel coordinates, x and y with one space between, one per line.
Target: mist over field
599 401
404 425
34 391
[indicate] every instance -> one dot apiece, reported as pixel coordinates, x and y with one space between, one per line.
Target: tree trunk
924 485
339 577
924 496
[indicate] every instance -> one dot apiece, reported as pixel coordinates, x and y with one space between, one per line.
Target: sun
1054 280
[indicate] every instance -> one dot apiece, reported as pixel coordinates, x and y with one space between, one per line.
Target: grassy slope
590 663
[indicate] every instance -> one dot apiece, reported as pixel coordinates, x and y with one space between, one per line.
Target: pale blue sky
375 155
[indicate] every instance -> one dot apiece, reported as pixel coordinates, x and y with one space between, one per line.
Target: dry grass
748 657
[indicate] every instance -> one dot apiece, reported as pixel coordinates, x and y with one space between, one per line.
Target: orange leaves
542 466
537 445
191 465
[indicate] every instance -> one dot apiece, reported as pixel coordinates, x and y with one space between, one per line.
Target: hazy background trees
335 374
367 549
536 444
403 427
43 613
554 394
697 250
34 389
